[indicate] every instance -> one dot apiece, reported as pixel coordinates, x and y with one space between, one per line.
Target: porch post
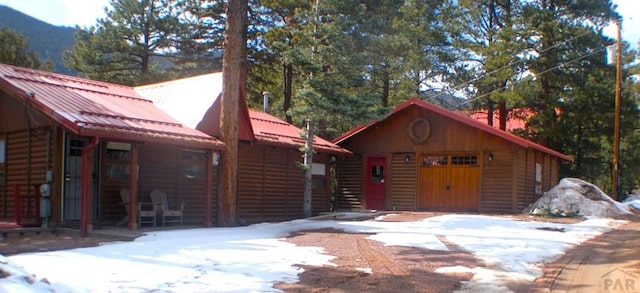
87 187
133 186
209 196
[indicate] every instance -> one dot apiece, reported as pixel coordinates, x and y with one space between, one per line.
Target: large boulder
573 196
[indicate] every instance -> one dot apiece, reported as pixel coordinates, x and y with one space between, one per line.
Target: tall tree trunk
385 88
490 108
232 63
288 92
502 107
502 114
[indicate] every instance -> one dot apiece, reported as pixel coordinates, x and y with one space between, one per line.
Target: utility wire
487 74
598 50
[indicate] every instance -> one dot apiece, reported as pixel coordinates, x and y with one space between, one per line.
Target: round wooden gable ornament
419 130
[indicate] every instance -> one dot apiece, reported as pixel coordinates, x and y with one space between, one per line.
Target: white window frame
538 185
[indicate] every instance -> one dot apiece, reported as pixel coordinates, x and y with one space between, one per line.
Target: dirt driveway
608 263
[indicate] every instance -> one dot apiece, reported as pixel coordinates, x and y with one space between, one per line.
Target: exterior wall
27 160
271 184
527 187
497 189
506 182
401 193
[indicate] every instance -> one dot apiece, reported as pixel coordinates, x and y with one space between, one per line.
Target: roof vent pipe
265 102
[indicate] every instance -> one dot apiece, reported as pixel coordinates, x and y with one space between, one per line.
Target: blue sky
85 12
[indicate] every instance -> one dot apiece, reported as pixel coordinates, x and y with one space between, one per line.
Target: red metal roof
514 121
264 128
253 126
460 118
93 108
271 130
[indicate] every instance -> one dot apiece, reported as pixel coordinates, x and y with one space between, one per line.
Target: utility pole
616 138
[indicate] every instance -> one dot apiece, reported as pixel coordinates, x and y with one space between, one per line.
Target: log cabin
270 177
422 157
82 141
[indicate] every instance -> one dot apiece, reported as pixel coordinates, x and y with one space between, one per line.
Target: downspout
86 197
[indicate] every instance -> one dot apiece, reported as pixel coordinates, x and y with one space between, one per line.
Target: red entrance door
376 183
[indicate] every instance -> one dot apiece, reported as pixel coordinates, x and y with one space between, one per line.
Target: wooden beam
208 219
133 187
87 187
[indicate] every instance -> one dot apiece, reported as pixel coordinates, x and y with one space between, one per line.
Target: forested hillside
47 40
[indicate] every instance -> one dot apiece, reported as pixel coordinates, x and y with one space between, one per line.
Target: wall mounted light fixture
490 157
407 158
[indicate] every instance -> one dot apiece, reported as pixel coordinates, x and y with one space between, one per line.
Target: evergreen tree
141 41
14 50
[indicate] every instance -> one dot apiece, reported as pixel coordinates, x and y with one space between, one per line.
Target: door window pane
377 174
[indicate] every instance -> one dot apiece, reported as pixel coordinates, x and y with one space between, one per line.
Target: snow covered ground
253 258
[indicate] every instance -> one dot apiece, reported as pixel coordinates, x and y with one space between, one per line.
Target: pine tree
14 50
140 41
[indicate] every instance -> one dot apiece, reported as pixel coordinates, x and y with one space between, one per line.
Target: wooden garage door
448 183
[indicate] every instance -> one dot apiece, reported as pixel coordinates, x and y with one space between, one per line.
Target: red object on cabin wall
376 188
27 206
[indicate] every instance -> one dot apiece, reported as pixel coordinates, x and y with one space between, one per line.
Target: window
3 158
75 147
319 178
319 183
3 151
429 161
193 164
377 174
464 160
318 169
118 171
538 186
118 160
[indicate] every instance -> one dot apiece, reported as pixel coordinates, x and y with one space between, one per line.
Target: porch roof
99 109
460 118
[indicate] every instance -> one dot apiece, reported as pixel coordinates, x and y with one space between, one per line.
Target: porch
15 239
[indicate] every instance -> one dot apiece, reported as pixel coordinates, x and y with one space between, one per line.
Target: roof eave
317 148
33 102
195 142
